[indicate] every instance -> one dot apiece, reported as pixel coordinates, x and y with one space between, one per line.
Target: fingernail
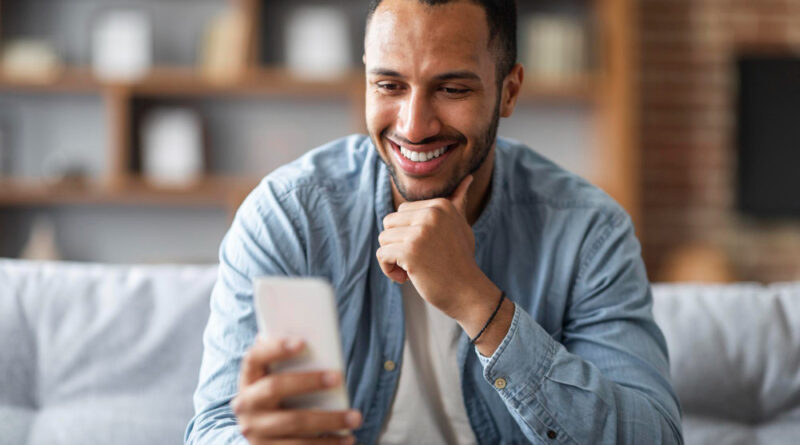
352 419
331 378
293 344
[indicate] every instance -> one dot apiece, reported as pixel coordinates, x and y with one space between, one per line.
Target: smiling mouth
421 156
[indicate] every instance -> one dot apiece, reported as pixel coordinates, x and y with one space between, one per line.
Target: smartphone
303 308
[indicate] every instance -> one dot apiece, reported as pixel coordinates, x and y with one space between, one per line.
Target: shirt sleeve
608 380
263 240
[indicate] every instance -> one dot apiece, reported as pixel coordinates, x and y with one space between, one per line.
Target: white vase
172 150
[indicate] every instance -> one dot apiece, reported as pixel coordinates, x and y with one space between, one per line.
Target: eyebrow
452 75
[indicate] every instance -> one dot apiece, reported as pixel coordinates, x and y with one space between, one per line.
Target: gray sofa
99 354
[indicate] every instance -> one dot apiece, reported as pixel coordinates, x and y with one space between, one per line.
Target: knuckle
273 347
245 427
270 387
247 359
340 421
431 216
296 423
241 405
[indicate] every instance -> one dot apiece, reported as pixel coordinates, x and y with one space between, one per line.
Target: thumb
459 197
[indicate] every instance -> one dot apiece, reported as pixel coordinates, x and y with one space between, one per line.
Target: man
484 294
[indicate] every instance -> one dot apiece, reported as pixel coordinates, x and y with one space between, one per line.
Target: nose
418 120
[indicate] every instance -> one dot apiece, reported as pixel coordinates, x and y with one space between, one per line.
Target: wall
687 131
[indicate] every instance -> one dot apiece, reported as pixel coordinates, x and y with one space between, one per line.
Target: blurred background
130 130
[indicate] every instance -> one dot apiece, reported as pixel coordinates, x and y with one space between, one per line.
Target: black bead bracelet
489 321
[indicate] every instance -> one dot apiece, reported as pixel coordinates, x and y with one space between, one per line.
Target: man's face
432 103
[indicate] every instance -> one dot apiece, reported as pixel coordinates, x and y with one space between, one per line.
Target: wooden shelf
73 80
211 191
180 81
261 81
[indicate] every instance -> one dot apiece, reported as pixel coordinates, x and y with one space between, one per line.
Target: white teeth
417 156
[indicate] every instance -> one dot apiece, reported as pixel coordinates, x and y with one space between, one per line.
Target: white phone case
303 308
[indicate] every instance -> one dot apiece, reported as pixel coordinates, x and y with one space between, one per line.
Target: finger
427 215
391 263
399 235
408 217
459 197
268 392
417 205
263 352
294 423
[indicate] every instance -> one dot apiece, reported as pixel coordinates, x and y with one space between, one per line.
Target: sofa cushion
734 357
97 353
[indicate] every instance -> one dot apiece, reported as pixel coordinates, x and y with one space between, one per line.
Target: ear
512 85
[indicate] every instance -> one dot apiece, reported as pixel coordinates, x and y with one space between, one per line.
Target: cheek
467 117
380 114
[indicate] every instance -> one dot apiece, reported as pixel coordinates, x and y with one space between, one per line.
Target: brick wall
687 128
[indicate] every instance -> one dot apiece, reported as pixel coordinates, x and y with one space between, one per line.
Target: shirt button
389 365
551 434
500 383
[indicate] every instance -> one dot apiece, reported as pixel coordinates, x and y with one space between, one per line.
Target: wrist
485 299
479 302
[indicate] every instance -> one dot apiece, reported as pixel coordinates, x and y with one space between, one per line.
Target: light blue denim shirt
583 361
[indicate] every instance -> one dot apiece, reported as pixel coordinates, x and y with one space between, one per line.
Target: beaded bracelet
489 321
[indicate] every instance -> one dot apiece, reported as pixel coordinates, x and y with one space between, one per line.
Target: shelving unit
607 91
211 190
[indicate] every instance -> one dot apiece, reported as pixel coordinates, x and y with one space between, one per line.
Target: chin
411 193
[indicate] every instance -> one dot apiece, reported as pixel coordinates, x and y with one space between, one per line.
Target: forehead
455 33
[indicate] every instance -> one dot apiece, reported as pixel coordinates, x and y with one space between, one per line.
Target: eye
388 87
454 91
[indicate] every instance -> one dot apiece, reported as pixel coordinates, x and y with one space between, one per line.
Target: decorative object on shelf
317 43
225 49
172 151
122 46
64 168
554 47
41 245
31 60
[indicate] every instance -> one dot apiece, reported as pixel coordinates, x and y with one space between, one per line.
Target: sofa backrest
734 349
99 354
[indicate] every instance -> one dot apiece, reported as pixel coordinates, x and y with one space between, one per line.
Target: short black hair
502 18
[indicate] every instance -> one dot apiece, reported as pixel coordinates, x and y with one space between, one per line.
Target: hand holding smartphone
291 383
303 308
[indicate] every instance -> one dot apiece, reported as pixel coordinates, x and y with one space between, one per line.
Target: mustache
451 138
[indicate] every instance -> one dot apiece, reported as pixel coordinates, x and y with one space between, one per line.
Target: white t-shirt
428 407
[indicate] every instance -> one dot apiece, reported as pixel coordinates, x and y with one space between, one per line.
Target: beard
483 145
